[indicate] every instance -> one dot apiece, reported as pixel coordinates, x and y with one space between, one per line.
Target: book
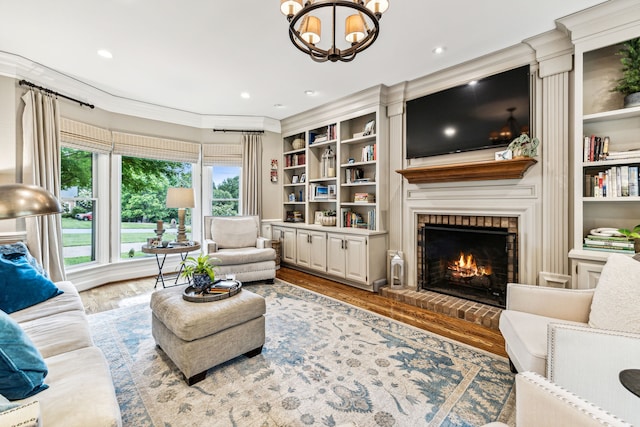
633 180
598 248
606 243
624 181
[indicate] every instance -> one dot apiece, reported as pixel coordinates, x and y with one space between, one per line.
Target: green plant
631 234
203 264
630 81
524 146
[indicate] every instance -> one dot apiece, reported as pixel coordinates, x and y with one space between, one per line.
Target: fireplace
474 262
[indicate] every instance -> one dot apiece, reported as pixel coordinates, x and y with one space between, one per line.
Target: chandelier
361 26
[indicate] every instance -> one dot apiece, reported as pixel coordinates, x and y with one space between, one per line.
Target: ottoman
199 336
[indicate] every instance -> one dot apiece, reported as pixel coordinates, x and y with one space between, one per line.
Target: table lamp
18 200
180 198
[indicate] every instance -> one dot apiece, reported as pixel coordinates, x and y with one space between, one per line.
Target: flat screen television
488 113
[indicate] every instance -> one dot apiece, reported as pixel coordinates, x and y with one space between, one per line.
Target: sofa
77 389
580 339
237 248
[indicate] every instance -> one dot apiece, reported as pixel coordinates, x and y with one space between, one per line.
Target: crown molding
18 67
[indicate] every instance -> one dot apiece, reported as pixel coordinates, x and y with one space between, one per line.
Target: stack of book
617 181
608 243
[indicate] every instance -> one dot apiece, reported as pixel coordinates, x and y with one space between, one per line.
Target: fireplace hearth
470 262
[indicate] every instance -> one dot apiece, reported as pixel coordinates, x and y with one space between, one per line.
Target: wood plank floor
121 294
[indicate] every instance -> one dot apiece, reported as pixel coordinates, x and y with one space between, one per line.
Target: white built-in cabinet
599 111
353 257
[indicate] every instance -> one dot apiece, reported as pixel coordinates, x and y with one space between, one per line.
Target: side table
183 250
630 379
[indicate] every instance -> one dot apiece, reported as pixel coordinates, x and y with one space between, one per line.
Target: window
225 200
78 225
143 195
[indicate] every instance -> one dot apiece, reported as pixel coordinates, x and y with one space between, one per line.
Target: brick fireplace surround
475 312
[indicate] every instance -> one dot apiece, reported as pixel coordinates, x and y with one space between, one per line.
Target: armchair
236 243
580 339
542 403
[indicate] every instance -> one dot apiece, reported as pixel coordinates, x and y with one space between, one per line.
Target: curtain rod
52 92
239 130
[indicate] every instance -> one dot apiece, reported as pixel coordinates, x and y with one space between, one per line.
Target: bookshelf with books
343 177
606 157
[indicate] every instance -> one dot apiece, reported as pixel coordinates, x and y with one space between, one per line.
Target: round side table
159 251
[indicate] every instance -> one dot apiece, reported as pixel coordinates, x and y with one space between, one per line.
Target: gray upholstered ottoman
199 336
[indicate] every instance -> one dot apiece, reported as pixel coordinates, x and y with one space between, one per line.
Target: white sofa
236 244
81 391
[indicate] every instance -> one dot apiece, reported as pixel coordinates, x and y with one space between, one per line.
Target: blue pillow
21 285
19 249
22 369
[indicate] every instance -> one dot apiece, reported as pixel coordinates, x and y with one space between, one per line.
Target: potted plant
632 235
329 218
200 270
524 146
629 84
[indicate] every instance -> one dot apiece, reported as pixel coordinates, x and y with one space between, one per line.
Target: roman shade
222 154
148 147
82 136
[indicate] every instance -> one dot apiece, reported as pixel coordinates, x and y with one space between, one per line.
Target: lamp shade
378 6
290 7
18 200
180 198
354 28
310 29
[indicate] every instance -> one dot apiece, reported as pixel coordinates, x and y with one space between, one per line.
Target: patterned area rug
324 363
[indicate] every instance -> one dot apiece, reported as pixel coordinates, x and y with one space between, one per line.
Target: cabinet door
356 258
588 275
318 251
289 245
303 248
335 255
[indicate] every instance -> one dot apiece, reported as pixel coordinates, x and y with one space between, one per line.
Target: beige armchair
580 339
236 243
542 403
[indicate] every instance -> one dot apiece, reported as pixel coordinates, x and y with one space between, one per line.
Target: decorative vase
329 220
200 281
632 100
298 144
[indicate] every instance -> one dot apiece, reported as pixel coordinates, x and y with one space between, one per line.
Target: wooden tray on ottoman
222 289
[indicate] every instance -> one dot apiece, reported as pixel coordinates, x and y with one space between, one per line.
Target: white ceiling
199 55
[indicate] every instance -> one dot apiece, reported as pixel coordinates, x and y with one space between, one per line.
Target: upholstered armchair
543 403
236 244
580 339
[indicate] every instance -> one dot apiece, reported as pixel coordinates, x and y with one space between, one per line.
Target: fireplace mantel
474 171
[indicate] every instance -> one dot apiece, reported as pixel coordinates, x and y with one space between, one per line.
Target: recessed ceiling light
105 53
309 92
438 50
278 105
245 95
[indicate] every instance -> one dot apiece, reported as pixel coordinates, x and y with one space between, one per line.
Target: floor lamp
180 198
18 200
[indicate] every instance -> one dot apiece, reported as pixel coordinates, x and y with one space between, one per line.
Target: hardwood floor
122 294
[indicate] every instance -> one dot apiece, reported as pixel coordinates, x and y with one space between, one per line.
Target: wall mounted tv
488 113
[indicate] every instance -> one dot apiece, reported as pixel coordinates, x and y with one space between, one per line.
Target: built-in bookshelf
606 158
342 171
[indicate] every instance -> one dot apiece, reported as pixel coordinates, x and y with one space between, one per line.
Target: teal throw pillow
21 285
22 369
19 249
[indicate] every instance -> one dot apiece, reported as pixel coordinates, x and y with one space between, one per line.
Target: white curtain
252 174
41 167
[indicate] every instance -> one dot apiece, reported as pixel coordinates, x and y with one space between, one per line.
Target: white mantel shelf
473 171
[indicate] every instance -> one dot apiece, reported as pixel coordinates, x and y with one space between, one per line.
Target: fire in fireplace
475 263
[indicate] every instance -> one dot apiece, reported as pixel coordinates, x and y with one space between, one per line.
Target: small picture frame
303 177
318 218
369 128
292 197
332 190
295 179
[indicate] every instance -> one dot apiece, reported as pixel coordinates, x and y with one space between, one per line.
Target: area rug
324 363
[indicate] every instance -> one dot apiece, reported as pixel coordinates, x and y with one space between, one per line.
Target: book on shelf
616 250
364 197
617 181
613 244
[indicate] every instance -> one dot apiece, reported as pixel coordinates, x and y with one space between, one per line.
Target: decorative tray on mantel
219 290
